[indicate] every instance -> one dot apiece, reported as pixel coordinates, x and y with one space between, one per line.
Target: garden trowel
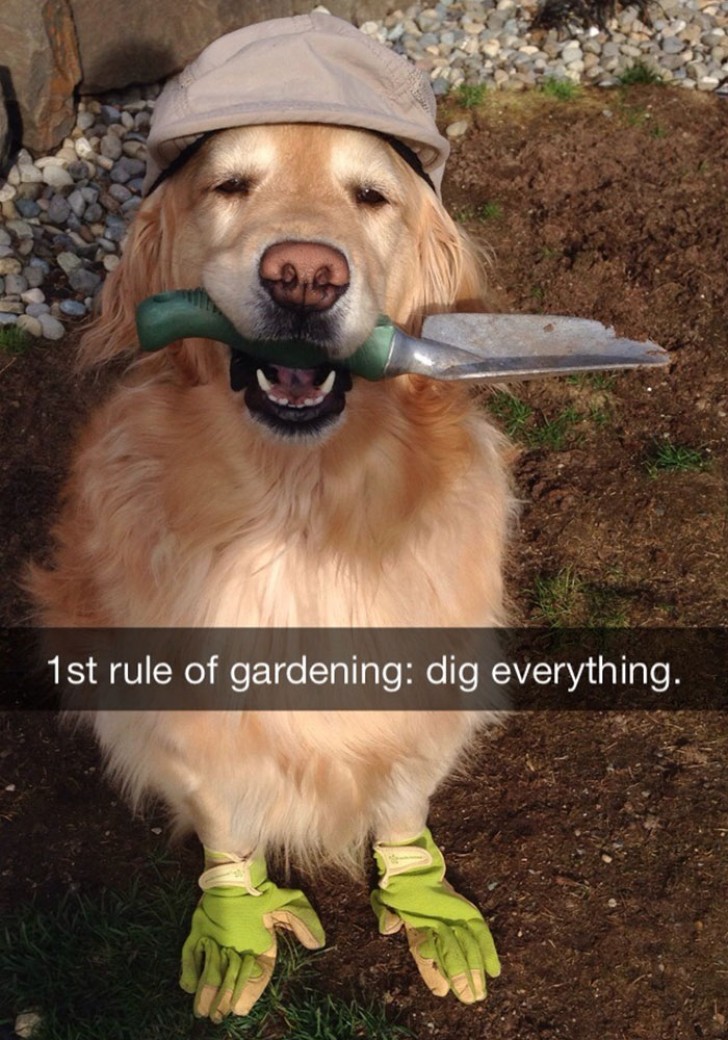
481 348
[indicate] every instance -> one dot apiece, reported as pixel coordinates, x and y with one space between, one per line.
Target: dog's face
296 231
303 232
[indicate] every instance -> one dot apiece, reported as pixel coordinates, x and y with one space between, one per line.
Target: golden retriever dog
302 498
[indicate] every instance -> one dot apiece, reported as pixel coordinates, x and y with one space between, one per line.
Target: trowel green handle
170 316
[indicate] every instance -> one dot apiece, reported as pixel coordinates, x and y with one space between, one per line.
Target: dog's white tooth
328 382
263 383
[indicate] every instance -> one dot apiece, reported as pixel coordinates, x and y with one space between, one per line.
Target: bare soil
594 842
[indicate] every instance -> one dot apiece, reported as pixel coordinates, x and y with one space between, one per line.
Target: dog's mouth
291 401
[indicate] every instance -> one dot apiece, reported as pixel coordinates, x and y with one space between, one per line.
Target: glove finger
210 978
253 979
488 951
219 1004
422 948
462 962
307 929
193 958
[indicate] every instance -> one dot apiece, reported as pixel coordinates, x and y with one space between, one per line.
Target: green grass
564 600
667 457
489 211
483 212
512 412
560 89
106 968
601 381
519 422
13 340
554 433
639 74
557 599
470 95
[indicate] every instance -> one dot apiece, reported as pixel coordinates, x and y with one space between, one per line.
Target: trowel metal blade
493 347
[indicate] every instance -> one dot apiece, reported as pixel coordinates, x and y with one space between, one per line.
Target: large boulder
142 41
5 140
40 54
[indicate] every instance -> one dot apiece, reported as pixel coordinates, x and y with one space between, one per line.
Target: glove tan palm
230 953
448 937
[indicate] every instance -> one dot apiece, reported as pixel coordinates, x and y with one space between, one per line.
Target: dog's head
298 230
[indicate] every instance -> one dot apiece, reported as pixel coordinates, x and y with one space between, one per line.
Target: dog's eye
370 197
234 186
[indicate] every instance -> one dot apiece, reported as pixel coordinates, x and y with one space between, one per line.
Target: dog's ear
141 273
452 268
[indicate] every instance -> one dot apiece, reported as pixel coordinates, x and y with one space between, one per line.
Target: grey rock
32 326
152 40
110 114
79 169
115 228
57 177
119 174
119 192
93 213
85 120
73 308
84 281
110 147
68 262
51 327
29 296
58 210
672 45
19 228
77 203
15 284
33 276
27 208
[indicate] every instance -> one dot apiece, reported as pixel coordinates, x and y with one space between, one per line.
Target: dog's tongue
296 385
293 379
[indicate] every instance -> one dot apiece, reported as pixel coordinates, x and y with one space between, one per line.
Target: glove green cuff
449 940
229 955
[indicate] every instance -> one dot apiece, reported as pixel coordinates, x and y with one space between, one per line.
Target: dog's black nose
304 276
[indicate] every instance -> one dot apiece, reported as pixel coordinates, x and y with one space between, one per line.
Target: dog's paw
224 981
230 953
447 935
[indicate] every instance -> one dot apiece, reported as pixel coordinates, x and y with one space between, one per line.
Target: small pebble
73 308
30 324
57 177
51 327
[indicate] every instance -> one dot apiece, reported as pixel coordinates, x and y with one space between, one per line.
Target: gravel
63 217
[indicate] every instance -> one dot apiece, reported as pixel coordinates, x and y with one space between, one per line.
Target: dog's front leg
447 935
230 953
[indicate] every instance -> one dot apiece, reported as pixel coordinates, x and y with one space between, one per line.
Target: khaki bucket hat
312 68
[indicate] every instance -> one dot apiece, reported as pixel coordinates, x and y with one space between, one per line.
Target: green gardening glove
447 936
229 956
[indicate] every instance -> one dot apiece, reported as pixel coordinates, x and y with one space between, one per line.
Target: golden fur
181 510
